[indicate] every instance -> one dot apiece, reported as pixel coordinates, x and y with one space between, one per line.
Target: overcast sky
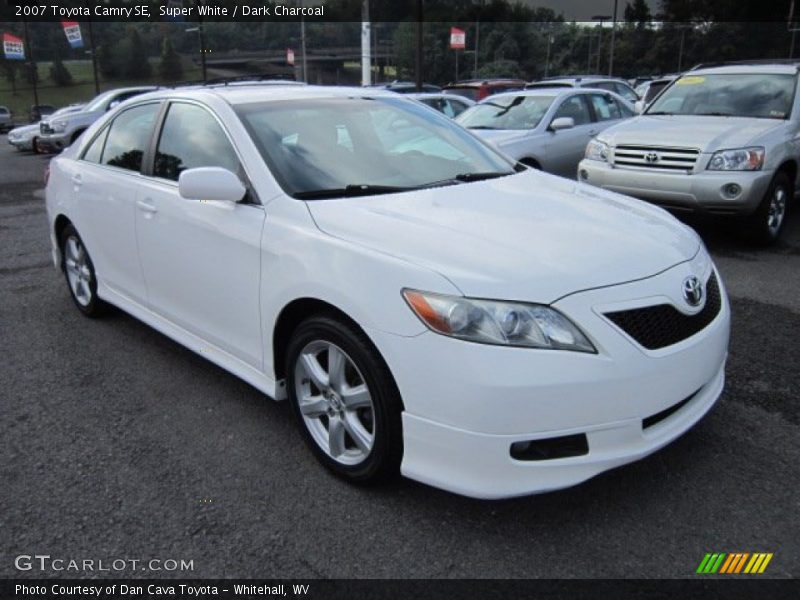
583 10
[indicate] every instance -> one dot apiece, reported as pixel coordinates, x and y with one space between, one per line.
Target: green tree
170 67
136 64
59 73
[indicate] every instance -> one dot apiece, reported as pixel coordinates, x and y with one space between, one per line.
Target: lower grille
45 129
662 325
666 413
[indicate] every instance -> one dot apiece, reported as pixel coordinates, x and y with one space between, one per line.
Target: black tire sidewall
758 221
384 459
95 306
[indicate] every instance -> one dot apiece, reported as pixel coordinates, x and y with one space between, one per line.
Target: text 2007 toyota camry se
425 305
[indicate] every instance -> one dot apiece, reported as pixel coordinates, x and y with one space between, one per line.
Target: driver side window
576 108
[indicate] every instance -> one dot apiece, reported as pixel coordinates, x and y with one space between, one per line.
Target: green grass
82 88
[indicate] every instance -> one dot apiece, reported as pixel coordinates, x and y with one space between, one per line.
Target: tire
765 225
35 146
367 444
80 274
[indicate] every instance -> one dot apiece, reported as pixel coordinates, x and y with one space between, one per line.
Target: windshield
506 112
741 95
329 147
98 103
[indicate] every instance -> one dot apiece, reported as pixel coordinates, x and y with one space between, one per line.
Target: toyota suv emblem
692 291
651 157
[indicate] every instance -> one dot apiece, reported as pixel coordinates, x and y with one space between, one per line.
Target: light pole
613 40
199 30
601 19
547 60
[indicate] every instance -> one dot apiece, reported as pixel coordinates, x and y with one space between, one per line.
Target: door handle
146 206
77 180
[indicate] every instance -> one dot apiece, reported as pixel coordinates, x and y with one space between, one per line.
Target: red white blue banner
458 38
13 48
73 32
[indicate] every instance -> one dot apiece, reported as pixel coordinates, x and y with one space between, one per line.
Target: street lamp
602 19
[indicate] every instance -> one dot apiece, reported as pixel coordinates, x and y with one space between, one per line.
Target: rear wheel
345 400
766 223
80 274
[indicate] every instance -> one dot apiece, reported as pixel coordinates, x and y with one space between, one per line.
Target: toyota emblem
692 291
651 157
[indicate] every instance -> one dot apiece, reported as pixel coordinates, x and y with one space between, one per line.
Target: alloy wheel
777 209
79 274
335 402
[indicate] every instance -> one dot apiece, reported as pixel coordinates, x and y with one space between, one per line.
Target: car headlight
497 322
597 150
58 126
740 159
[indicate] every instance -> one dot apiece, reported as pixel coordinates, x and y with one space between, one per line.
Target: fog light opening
583 174
731 190
551 448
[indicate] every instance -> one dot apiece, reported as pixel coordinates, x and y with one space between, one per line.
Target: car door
201 260
565 148
106 184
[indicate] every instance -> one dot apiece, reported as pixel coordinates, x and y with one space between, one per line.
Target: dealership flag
12 47
458 38
73 32
289 56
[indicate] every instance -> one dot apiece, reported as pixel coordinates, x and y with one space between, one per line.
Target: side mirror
113 104
562 123
210 183
638 107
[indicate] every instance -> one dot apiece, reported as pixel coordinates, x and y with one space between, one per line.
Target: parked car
640 80
650 89
618 86
6 119
478 89
26 138
406 87
718 141
38 112
57 134
546 128
427 308
447 104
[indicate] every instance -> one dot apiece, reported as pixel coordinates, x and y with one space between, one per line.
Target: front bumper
54 142
22 143
467 403
700 192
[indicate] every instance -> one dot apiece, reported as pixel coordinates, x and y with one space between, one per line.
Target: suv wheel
345 400
767 222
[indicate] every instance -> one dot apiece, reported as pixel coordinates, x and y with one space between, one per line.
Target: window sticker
691 80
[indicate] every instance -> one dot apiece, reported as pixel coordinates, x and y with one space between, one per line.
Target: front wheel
345 400
766 223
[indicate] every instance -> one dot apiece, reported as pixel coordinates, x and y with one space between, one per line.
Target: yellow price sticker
691 80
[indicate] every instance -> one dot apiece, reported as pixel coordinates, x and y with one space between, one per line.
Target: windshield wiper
714 114
659 112
481 127
354 189
466 177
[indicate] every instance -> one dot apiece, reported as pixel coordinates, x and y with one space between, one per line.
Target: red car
478 89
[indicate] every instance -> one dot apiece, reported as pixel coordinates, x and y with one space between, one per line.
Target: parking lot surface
119 443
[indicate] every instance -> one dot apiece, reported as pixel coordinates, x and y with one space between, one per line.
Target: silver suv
6 122
56 133
722 140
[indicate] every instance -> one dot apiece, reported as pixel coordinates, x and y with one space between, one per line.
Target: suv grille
662 325
643 157
44 128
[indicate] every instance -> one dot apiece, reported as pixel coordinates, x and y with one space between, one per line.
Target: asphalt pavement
118 443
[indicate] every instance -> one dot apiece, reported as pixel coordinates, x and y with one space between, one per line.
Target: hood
24 130
529 237
709 134
498 137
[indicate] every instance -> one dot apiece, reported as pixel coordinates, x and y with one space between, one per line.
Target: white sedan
426 306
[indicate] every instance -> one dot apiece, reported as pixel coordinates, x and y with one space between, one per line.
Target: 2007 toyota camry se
425 305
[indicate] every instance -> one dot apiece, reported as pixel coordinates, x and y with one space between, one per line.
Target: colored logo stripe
723 563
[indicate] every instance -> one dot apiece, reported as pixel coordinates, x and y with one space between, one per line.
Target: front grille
45 129
662 325
644 157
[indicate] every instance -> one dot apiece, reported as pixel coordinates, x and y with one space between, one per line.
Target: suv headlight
740 159
58 126
597 150
497 322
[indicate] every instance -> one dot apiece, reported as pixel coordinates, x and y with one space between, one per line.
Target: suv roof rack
756 61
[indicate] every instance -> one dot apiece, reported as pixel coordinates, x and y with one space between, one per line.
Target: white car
424 305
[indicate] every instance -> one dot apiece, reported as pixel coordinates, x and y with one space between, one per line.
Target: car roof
545 91
442 95
258 92
479 82
778 69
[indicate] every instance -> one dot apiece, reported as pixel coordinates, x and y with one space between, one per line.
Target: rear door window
606 107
